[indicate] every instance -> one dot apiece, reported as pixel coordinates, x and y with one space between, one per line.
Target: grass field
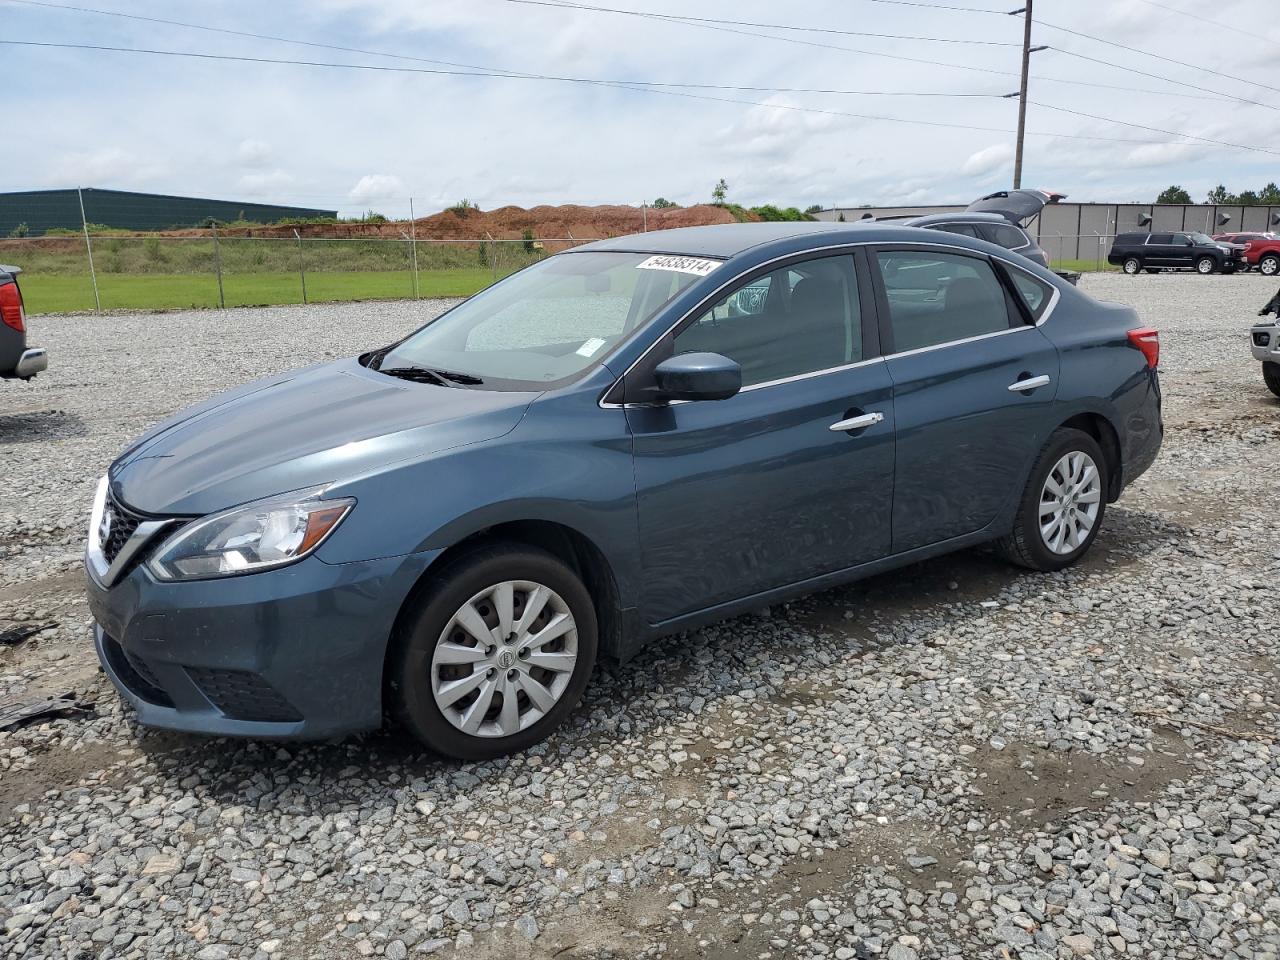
53 293
1083 266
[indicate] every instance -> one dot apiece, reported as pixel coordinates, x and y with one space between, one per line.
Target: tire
1028 545
1206 266
1132 266
1269 265
1271 374
419 681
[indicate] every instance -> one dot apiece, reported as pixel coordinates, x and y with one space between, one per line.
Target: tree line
1268 196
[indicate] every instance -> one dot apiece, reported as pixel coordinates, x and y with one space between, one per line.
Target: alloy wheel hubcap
1069 502
505 659
1269 267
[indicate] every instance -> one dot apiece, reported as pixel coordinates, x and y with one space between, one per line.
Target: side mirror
697 376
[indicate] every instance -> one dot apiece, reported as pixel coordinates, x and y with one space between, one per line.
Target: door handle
860 422
1031 383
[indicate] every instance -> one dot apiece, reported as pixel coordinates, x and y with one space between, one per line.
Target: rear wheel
495 658
1271 374
1269 265
1206 266
1063 505
1132 266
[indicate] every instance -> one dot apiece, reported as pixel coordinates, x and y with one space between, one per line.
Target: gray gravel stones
956 760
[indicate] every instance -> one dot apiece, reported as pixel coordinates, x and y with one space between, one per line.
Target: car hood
310 427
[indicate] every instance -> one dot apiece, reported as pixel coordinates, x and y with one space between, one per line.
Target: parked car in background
1264 339
1243 239
1265 255
991 227
1153 252
17 360
625 440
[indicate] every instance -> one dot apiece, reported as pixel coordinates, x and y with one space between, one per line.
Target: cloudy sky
363 139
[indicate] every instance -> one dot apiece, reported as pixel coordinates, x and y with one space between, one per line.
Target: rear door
957 347
1158 251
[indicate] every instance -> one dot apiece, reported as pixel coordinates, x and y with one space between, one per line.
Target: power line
637 85
617 84
730 26
768 26
516 73
1196 16
1134 50
1171 133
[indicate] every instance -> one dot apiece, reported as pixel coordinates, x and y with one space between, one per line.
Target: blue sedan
625 440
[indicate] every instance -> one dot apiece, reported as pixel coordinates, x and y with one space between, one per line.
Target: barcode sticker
698 266
589 348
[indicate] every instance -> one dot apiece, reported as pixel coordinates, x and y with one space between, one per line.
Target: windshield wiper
467 378
417 374
442 378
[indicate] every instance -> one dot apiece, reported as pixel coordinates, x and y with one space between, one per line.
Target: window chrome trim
849 247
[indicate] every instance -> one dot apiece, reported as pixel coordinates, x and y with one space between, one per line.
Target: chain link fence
111 272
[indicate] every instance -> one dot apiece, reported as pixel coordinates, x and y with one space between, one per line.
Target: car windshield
1201 238
543 325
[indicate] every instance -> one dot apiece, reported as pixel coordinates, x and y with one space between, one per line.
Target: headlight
247 539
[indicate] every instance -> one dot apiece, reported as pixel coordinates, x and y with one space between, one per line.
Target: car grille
135 674
1261 339
243 696
120 524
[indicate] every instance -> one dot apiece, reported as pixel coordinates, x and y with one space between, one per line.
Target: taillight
1147 339
11 307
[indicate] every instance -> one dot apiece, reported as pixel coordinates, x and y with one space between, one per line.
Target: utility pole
1027 51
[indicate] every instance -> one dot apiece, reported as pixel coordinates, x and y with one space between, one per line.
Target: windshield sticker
698 266
589 348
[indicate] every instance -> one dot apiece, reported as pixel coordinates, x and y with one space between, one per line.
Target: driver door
737 497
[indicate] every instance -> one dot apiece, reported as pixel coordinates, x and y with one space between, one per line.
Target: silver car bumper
32 361
1264 340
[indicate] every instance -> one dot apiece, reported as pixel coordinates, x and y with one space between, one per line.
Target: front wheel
1206 266
1269 265
1063 505
496 656
1132 266
1271 374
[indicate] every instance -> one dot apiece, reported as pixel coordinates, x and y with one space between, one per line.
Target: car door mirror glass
697 376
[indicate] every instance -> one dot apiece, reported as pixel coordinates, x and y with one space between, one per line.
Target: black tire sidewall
1062 442
422 625
1271 375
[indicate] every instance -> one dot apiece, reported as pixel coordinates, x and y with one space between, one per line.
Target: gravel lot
956 760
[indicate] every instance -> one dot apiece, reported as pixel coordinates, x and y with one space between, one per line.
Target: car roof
975 217
724 240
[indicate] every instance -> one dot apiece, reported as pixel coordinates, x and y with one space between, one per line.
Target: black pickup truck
17 360
1153 252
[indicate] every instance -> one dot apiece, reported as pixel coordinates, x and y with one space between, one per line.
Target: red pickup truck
1265 255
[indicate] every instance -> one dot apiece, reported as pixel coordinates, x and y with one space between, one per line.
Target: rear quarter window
1011 238
1034 292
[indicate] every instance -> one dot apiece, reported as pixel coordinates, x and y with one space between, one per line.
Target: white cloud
988 160
100 167
254 153
268 183
373 187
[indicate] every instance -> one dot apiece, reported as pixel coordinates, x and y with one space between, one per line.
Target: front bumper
1264 341
291 653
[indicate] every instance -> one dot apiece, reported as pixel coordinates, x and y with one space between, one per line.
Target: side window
939 297
1182 240
799 319
961 228
1164 238
1035 293
1011 238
